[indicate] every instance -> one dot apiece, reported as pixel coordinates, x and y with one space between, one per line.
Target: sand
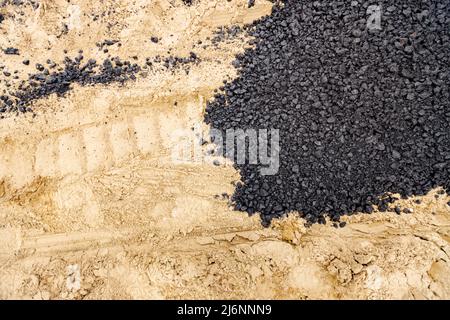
93 205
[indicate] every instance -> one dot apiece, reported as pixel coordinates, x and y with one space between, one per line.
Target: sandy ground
93 205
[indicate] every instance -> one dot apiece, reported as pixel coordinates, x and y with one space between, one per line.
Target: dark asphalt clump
12 51
172 62
226 33
362 113
106 43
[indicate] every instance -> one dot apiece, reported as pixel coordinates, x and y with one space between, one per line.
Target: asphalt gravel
46 82
53 78
363 110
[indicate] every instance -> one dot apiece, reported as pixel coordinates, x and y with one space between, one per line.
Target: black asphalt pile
363 113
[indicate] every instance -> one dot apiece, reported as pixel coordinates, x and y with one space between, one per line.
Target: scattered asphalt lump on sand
362 110
50 81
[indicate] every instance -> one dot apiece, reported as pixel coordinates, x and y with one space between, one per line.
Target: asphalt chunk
11 51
